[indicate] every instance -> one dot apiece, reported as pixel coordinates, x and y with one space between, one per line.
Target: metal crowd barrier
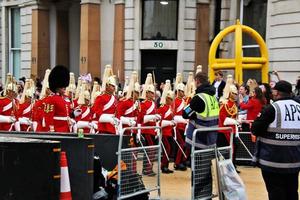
245 147
139 167
205 183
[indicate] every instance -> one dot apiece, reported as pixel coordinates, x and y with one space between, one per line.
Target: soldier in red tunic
228 112
8 105
84 119
56 109
38 118
179 105
24 122
148 117
167 124
128 107
105 108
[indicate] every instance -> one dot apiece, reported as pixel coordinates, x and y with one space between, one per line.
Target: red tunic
166 113
178 109
57 113
253 107
8 107
127 108
25 110
105 104
86 116
230 110
147 108
39 115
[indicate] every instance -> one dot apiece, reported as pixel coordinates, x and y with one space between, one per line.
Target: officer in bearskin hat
56 109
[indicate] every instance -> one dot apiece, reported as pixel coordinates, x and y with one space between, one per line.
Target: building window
254 15
160 19
15 42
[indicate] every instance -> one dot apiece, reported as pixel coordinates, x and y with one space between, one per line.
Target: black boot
166 170
180 167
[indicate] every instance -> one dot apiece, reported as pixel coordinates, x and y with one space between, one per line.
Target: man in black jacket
219 84
278 143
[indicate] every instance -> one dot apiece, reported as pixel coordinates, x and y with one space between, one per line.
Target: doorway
160 62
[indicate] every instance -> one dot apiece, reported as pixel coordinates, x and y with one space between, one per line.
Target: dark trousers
281 186
148 161
181 141
166 140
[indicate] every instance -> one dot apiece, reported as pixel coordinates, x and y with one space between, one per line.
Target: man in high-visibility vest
202 112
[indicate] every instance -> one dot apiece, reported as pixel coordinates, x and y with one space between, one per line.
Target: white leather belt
61 118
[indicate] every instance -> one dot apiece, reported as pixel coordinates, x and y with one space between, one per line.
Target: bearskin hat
59 77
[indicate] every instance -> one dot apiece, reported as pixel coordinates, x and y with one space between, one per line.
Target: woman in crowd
254 105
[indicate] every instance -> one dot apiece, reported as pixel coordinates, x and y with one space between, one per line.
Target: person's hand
241 98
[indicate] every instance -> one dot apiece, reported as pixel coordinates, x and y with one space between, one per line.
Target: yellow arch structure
239 62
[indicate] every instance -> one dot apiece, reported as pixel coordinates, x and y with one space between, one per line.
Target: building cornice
118 1
90 2
203 1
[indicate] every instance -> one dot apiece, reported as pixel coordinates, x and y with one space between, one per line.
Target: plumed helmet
180 86
148 81
59 77
166 89
150 88
111 81
45 84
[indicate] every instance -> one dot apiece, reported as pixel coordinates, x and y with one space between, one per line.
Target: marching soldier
167 124
8 105
127 109
56 109
105 108
148 117
24 122
38 118
84 119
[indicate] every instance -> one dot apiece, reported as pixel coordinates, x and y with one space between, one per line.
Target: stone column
62 36
40 45
119 40
202 34
90 53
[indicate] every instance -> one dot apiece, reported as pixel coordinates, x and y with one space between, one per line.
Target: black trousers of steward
281 186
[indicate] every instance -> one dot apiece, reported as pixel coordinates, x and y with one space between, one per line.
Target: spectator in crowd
219 84
266 89
278 149
254 105
243 94
297 87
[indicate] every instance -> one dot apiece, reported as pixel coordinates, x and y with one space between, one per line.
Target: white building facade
160 37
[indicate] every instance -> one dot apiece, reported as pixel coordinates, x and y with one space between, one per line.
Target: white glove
107 118
93 125
116 121
230 121
157 117
180 119
25 121
83 124
7 119
149 118
77 112
72 121
165 123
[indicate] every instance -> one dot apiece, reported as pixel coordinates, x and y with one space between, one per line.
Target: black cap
59 77
283 86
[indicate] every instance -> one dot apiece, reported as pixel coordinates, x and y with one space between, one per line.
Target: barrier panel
205 181
246 147
80 153
139 168
29 168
